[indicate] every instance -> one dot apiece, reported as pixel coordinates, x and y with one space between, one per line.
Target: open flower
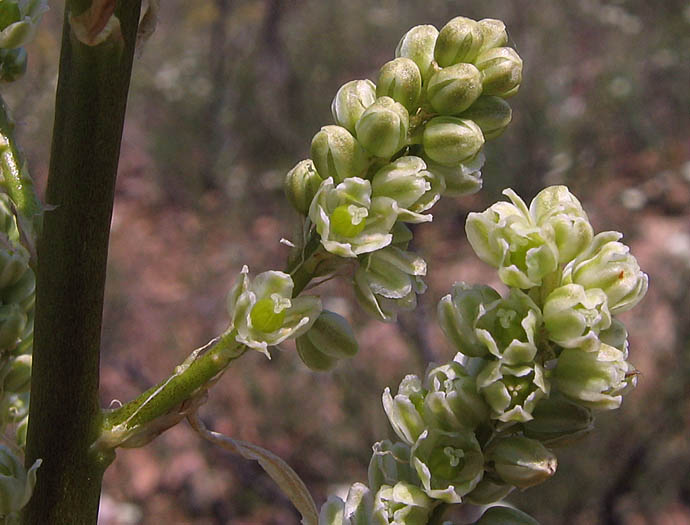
349 221
264 313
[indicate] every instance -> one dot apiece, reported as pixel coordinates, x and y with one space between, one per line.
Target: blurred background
225 99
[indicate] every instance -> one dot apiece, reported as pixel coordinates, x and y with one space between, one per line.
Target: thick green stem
72 251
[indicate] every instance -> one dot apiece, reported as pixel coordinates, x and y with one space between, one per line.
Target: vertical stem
72 252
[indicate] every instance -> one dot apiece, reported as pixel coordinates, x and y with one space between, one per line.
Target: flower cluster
530 370
398 145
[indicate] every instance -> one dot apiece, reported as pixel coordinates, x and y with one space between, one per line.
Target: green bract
455 88
389 464
408 182
491 114
350 102
449 464
458 41
452 402
501 515
349 221
507 237
574 316
328 340
596 380
19 20
301 184
464 178
405 410
451 140
501 69
382 128
521 461
388 281
401 80
512 391
609 266
264 313
418 45
16 483
337 154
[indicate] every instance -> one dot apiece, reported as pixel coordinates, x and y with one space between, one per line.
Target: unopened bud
18 378
455 88
382 128
402 504
464 178
501 69
14 263
458 41
521 461
559 422
328 340
494 33
451 140
350 102
404 411
337 154
418 45
501 515
301 184
491 114
12 323
23 292
401 80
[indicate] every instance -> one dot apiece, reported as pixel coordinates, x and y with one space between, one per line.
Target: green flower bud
382 128
501 69
12 323
349 221
22 292
12 64
458 313
19 20
404 411
502 515
337 154
328 340
407 181
14 407
488 491
559 422
609 266
401 80
18 378
350 102
596 380
494 33
451 140
512 391
301 184
357 509
560 215
458 41
264 313
14 263
452 402
521 461
389 464
418 45
16 483
388 281
507 237
402 504
332 512
455 88
491 114
464 178
449 464
574 316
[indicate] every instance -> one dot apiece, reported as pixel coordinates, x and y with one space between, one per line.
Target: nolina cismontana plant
532 366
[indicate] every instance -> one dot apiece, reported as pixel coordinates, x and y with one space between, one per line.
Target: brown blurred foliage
225 99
